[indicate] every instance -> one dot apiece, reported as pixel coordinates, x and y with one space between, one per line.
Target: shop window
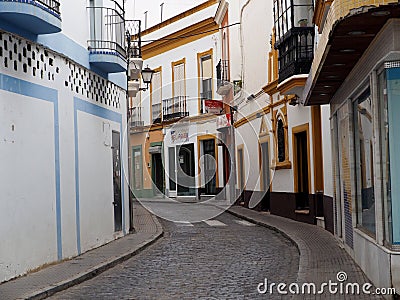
363 145
384 144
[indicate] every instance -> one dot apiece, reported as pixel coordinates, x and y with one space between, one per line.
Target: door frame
199 140
117 207
295 130
154 174
262 140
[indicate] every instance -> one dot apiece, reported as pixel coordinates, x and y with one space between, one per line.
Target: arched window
281 141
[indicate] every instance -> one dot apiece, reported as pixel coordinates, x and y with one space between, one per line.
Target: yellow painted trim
298 129
203 138
271 88
264 110
282 114
175 40
320 6
179 17
317 148
292 83
199 56
261 140
156 70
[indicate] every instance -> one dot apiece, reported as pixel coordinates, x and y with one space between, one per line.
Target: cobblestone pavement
225 258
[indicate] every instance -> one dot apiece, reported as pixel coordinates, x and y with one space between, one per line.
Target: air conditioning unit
135 67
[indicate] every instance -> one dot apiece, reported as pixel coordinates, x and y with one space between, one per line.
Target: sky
135 9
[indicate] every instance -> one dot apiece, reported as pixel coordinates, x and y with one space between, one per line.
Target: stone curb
92 272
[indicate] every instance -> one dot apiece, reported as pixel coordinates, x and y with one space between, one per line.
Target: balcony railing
107 43
296 52
51 5
156 113
133 28
222 72
35 16
136 117
174 108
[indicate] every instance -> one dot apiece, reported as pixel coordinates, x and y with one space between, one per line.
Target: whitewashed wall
189 52
38 152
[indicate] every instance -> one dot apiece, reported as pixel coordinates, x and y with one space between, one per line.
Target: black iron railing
107 29
222 72
296 52
96 45
136 117
133 30
174 108
52 5
156 113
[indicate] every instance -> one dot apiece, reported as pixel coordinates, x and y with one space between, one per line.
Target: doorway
185 172
157 171
265 175
301 170
210 167
117 181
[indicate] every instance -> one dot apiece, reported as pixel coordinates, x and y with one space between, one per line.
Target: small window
281 141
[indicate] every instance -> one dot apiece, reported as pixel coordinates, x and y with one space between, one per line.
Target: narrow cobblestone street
224 258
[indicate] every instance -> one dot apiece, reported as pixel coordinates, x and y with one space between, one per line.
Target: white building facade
283 158
177 125
63 120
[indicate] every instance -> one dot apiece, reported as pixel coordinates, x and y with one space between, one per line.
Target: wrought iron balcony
223 84
296 52
156 113
107 29
35 16
133 32
136 117
174 108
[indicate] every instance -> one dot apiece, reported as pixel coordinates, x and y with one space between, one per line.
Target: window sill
283 165
366 232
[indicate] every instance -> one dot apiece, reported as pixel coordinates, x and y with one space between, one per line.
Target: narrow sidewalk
321 256
55 278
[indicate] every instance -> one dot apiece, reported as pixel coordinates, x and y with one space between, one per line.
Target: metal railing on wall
107 29
52 5
174 108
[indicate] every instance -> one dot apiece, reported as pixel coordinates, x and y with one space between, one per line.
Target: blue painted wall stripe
26 88
95 110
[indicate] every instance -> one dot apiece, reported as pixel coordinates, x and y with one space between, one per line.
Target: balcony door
156 97
179 92
205 80
210 166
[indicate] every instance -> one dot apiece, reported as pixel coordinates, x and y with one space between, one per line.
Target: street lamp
147 76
